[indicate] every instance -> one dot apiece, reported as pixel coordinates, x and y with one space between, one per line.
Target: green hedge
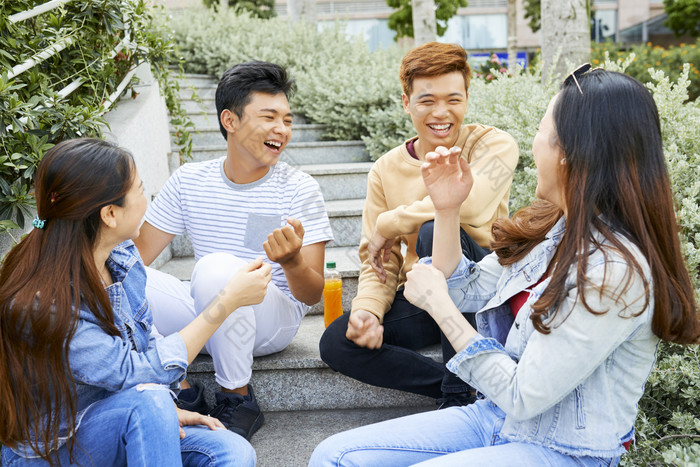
647 56
32 115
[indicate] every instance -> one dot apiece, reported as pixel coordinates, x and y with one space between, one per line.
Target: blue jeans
464 436
140 428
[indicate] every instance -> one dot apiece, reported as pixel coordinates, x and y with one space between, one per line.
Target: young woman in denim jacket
88 384
570 306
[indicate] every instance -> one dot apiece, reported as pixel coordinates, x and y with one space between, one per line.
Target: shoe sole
259 421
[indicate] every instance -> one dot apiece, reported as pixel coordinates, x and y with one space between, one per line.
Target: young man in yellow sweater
376 343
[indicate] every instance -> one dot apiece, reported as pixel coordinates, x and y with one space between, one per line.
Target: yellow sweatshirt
397 205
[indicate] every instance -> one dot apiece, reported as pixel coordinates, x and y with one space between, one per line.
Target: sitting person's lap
467 435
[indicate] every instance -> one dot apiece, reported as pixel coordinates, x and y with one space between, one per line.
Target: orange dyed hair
433 59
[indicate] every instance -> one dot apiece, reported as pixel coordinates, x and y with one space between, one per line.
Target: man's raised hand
283 245
447 177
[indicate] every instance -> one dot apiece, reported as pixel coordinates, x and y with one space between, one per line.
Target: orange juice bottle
332 294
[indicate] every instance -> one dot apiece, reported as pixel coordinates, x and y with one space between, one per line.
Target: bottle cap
330 265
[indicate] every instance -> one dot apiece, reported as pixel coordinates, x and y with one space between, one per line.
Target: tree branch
665 438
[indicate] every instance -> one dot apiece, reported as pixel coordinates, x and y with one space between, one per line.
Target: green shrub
339 82
648 56
668 425
33 117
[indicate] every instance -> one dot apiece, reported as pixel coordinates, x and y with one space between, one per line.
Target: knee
332 345
326 454
153 404
211 273
232 450
340 449
424 243
210 448
217 267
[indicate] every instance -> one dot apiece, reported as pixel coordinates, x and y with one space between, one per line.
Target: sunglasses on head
577 73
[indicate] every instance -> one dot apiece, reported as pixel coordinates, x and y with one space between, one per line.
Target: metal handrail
36 11
60 45
45 54
113 97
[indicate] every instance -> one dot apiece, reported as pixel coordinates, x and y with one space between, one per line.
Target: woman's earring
563 161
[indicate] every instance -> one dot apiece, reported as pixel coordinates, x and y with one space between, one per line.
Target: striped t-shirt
220 215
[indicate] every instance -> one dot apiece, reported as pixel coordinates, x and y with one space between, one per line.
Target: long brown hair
616 183
43 281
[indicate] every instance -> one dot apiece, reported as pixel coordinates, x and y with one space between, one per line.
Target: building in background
482 27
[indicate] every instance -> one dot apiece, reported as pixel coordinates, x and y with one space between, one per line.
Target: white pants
250 331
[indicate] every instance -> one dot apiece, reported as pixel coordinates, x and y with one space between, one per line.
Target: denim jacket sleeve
472 284
543 376
101 360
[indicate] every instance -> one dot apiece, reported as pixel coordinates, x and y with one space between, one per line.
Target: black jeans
407 328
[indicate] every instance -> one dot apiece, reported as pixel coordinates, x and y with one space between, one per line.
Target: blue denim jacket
102 364
576 389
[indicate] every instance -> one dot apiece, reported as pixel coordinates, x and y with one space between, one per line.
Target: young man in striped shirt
236 209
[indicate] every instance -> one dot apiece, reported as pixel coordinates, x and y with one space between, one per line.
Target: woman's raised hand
249 284
447 177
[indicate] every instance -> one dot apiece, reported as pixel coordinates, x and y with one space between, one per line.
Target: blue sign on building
478 59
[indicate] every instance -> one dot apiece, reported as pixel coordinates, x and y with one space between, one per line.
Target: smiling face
260 135
129 215
548 160
437 105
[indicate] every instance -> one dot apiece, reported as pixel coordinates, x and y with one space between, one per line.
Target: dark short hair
239 81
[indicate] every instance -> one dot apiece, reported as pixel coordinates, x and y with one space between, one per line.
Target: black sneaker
238 413
458 399
196 405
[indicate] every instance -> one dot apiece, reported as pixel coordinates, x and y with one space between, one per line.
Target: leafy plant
34 115
683 16
264 9
485 70
337 79
646 56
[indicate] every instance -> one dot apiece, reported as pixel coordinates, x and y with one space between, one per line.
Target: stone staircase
304 401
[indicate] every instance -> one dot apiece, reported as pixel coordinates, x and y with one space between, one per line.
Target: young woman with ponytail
570 306
82 380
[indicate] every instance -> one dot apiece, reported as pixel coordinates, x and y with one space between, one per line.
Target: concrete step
346 259
297 379
191 105
345 216
206 90
197 80
340 181
209 135
287 439
299 153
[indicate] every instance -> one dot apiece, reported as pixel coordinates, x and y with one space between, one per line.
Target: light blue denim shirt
576 389
102 364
